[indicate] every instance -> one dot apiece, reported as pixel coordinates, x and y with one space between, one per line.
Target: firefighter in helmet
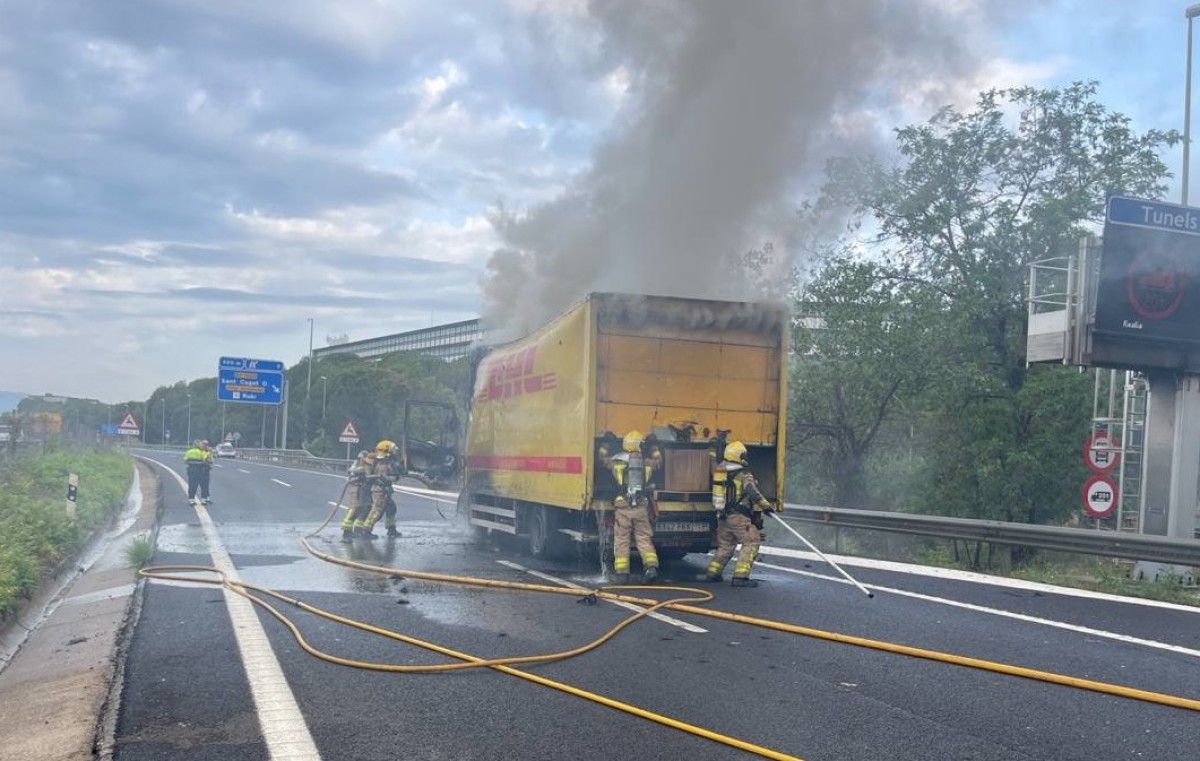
382 475
632 470
740 506
358 494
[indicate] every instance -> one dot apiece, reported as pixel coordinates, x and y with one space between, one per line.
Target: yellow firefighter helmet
735 451
633 441
385 447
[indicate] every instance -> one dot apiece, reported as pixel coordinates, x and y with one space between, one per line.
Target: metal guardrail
1111 544
296 458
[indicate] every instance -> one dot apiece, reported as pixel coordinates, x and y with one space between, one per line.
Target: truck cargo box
690 374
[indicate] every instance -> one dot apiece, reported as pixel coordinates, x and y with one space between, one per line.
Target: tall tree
975 198
863 342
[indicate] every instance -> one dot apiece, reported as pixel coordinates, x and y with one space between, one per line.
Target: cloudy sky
184 179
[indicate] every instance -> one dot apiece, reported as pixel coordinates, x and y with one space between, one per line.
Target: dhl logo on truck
509 375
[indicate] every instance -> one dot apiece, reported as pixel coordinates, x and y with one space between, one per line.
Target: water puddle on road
270 555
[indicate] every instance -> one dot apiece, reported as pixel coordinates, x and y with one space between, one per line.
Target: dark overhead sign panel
1148 300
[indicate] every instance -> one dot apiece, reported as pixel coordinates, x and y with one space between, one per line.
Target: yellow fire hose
683 604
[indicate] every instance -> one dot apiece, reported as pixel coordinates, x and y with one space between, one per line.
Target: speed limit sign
1099 497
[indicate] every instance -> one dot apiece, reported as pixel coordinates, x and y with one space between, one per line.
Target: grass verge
35 531
1078 572
139 552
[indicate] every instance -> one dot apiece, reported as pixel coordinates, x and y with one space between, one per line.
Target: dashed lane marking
630 606
282 483
283 727
243 470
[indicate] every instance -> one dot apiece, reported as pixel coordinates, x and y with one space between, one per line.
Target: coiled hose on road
690 601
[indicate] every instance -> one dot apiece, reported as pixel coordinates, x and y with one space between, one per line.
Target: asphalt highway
188 691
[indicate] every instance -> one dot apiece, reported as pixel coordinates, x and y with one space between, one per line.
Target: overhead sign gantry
1133 303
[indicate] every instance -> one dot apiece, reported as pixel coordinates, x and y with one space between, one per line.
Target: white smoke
732 105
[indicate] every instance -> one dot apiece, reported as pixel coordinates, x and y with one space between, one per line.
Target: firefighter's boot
347 534
744 582
392 533
650 574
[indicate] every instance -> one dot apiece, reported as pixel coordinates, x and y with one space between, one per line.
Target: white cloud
433 88
343 225
194 178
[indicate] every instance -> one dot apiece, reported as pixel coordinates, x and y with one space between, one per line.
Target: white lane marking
279 718
282 483
564 583
410 490
1000 612
976 578
417 493
243 470
342 476
336 504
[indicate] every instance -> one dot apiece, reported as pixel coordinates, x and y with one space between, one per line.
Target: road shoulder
55 692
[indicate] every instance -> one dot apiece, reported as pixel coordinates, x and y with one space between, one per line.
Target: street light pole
285 414
164 428
308 388
189 432
324 391
1191 13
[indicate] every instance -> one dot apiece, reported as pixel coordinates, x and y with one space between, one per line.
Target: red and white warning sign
349 433
1101 452
1099 497
129 426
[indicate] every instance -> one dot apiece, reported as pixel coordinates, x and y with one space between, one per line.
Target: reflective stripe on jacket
196 456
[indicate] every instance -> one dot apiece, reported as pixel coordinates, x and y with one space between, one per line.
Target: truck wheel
539 532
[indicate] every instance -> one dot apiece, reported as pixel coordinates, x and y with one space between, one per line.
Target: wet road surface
187 694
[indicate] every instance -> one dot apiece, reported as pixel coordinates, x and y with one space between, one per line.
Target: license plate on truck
681 527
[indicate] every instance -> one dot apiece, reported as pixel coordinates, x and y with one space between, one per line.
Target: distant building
449 341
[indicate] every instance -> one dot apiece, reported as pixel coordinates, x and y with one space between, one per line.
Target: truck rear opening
690 374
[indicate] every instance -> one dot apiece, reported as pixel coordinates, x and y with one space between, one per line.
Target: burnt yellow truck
689 374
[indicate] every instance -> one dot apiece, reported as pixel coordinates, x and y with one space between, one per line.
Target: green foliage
370 392
35 531
1108 576
935 318
1015 457
139 553
864 343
